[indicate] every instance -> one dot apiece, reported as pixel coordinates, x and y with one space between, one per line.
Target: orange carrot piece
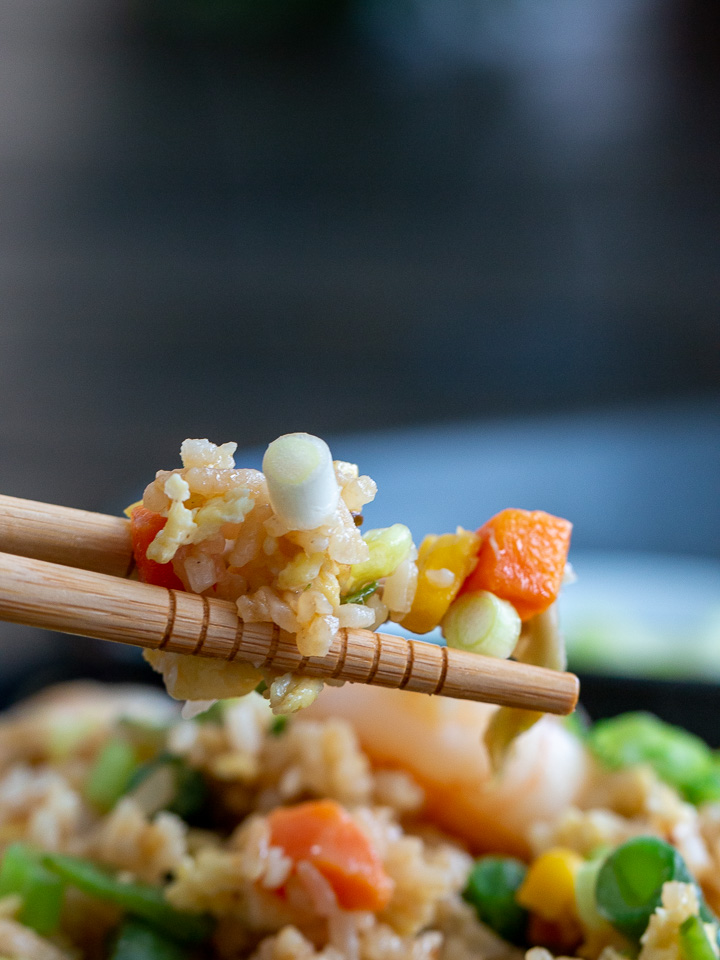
144 527
322 833
522 559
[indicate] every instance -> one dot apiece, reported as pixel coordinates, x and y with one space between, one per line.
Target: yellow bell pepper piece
549 885
444 562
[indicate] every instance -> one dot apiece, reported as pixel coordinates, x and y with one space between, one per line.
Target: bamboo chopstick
89 604
64 570
76 538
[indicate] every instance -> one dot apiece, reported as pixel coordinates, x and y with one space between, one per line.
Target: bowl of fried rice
245 814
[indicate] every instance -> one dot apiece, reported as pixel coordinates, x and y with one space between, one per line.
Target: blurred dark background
354 217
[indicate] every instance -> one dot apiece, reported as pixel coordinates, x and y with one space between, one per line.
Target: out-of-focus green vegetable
181 789
138 899
110 774
630 881
278 725
491 889
146 736
482 623
578 723
214 714
694 943
137 940
585 881
361 595
388 548
41 891
678 757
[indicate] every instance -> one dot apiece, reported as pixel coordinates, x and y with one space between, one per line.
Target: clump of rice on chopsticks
283 544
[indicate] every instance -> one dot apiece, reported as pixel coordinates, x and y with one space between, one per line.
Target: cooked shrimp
439 742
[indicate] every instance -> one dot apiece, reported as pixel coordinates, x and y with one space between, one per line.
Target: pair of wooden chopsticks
65 570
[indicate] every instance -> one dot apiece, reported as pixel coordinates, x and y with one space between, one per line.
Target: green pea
679 758
630 881
491 889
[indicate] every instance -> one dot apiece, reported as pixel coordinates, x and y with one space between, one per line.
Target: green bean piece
138 899
630 881
694 943
678 757
137 940
110 774
17 862
491 889
41 891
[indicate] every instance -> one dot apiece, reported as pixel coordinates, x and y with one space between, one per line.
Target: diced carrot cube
144 527
322 833
522 559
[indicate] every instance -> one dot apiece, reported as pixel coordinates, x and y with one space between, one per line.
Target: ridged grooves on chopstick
96 605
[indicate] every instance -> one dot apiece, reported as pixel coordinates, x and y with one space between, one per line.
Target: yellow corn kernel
444 562
549 885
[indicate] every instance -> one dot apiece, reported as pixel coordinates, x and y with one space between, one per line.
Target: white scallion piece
301 480
482 623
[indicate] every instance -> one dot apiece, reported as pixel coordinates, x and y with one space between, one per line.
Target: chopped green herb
261 687
361 595
139 899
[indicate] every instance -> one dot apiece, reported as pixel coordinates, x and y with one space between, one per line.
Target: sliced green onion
491 889
137 940
482 623
41 891
630 881
181 789
388 548
110 774
585 882
138 899
694 943
678 757
301 480
361 595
